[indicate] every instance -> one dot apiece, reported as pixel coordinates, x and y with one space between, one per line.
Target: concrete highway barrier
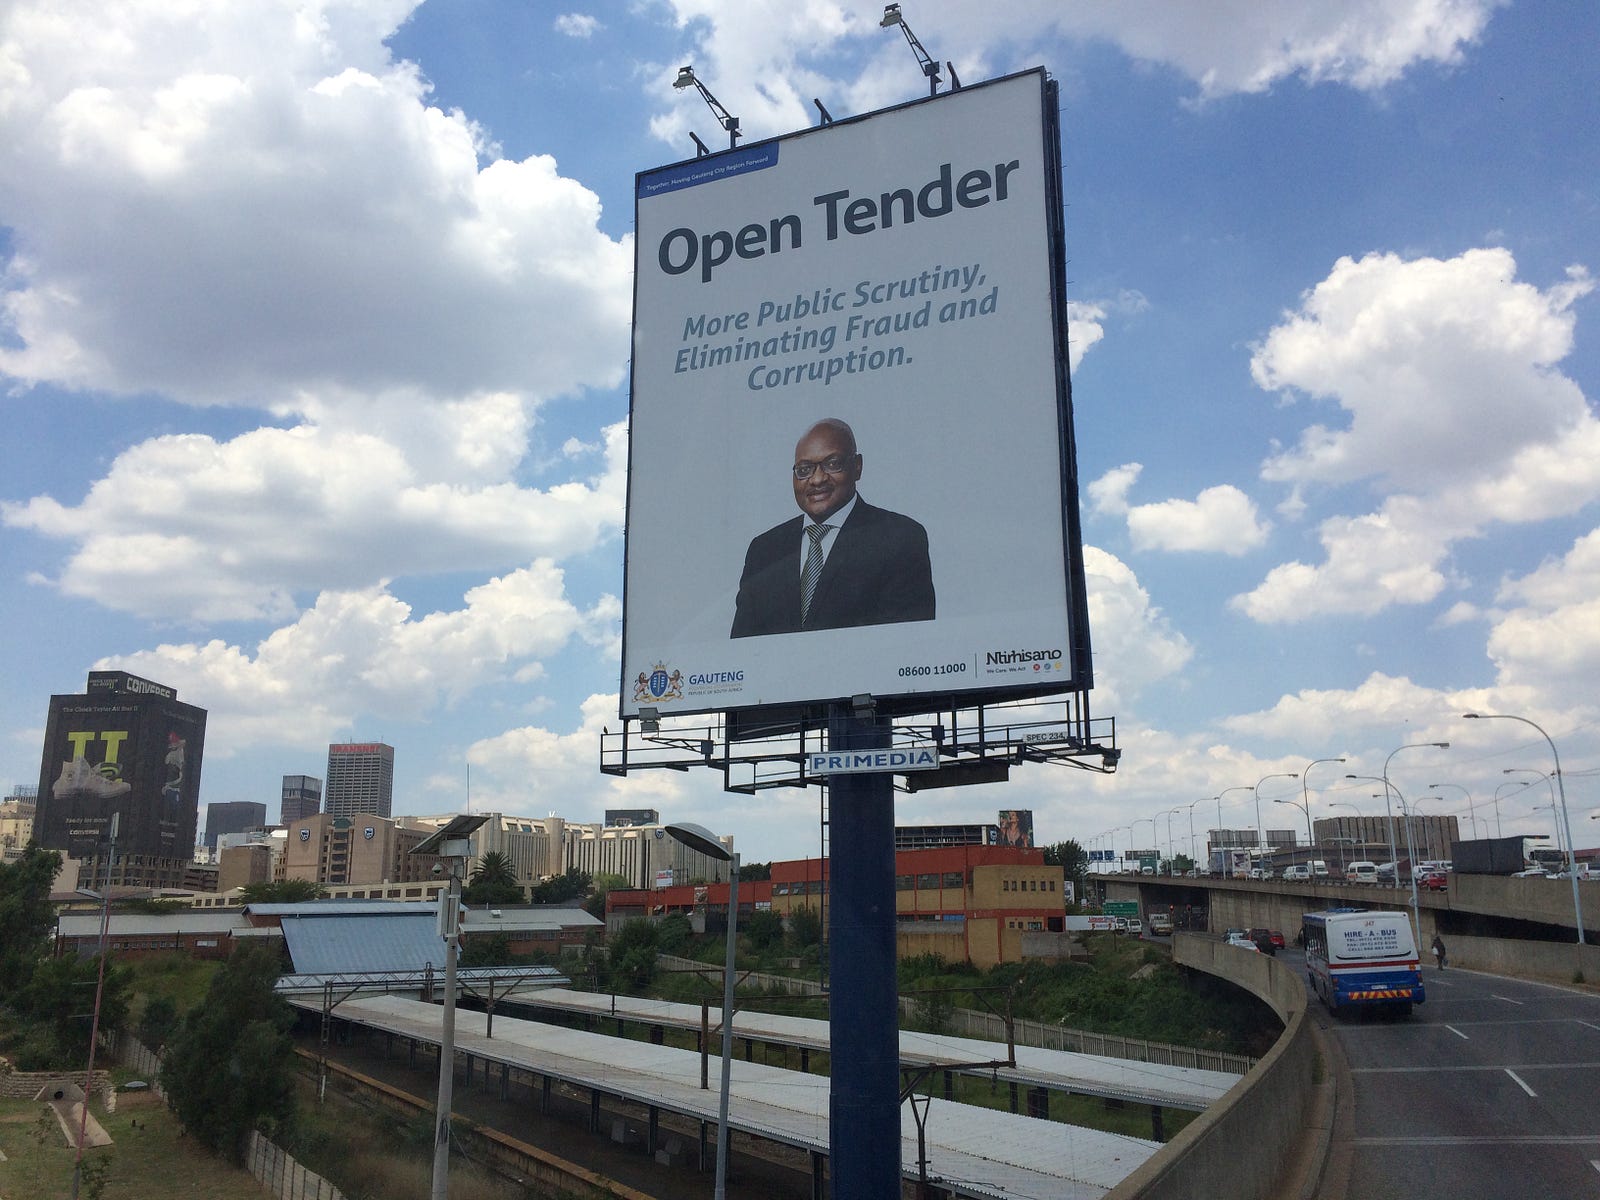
1268 1136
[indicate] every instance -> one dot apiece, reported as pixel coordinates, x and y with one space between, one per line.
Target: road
1491 1089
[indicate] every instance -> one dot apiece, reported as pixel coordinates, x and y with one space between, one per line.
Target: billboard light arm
729 122
892 16
827 117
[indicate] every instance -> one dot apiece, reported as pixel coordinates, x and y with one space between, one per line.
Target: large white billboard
849 439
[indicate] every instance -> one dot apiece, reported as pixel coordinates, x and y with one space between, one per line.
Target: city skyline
316 325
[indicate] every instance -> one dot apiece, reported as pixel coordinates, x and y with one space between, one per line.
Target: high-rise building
123 753
302 797
233 816
360 779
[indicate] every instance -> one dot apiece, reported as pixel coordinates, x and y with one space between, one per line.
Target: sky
314 333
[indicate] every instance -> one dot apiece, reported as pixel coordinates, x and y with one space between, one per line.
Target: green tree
631 955
160 1018
805 927
673 933
281 891
27 918
574 885
764 928
492 950
494 881
603 883
751 872
229 1069
1073 860
59 999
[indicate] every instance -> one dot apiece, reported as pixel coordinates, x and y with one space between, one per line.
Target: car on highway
1277 938
1433 881
1362 872
1300 872
1238 938
1262 937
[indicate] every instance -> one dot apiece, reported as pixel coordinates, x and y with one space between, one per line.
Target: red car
1277 938
1433 881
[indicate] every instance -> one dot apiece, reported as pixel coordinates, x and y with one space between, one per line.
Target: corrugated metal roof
1065 1070
972 1151
325 944
87 924
337 908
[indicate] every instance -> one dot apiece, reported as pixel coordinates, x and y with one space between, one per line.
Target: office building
233 816
302 797
122 754
365 849
16 817
360 779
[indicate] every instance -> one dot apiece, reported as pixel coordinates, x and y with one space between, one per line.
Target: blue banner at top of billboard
707 170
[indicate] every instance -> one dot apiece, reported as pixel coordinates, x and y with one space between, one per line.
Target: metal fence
277 1170
966 1022
283 1176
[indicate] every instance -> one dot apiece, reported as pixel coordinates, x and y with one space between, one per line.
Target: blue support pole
863 1025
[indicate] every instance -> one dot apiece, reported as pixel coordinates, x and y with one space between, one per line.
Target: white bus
1358 959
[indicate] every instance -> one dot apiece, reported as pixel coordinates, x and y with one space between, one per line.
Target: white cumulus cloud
1447 371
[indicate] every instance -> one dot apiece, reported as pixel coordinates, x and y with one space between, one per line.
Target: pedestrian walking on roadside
1439 955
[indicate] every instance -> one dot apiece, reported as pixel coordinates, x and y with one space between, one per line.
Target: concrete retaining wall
1529 960
1238 1147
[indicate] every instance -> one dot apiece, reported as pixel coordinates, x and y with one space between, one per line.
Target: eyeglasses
834 464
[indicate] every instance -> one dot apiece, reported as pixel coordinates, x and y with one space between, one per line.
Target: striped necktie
812 571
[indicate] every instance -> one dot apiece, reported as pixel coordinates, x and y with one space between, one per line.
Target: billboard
1016 827
135 752
626 818
851 463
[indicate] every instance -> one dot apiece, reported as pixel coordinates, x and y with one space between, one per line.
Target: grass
371 1153
151 1160
176 975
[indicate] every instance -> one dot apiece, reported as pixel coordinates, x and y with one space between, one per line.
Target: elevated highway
1479 906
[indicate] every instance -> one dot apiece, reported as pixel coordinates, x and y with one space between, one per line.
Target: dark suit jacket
877 573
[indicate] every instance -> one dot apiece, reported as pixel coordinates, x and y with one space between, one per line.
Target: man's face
826 490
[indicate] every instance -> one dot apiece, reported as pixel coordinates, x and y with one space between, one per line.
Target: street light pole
104 897
1194 850
1305 795
698 837
1572 872
1472 812
1261 829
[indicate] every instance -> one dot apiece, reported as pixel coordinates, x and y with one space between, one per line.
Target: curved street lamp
1260 828
1555 815
1572 869
1306 797
702 840
1472 812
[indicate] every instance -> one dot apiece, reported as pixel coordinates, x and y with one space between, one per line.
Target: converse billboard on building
851 458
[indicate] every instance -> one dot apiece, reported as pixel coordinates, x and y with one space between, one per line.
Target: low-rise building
969 903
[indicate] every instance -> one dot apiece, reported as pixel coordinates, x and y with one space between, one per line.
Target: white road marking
1520 1083
1586 1025
1532 1139
1595 1163
1458 1033
1507 999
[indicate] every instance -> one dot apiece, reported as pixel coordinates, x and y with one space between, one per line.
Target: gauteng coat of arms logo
659 684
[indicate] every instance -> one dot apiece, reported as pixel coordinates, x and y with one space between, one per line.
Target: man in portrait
842 562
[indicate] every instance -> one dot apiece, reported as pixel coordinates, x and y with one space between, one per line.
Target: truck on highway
1495 856
1160 922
